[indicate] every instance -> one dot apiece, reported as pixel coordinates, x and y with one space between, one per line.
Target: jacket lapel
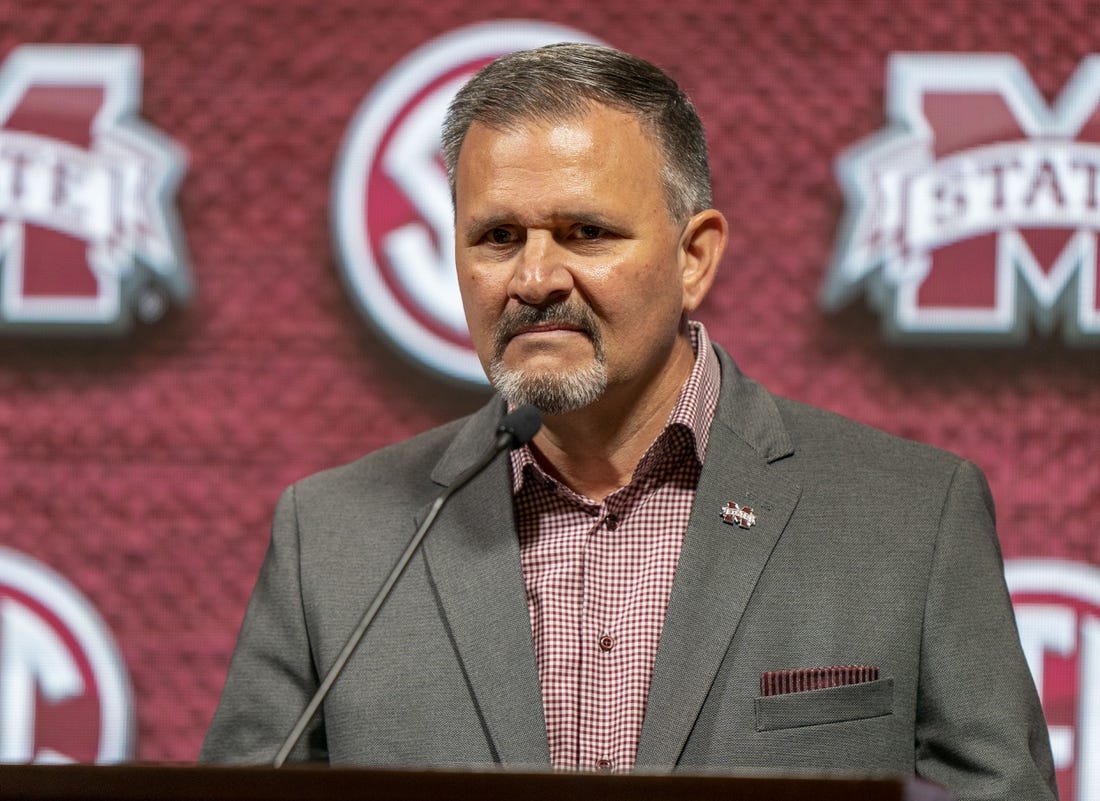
474 565
719 563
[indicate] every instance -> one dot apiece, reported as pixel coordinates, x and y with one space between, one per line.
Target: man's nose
541 274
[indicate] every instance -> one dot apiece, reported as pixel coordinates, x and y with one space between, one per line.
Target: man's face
568 261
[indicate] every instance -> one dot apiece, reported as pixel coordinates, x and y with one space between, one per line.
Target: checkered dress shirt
599 575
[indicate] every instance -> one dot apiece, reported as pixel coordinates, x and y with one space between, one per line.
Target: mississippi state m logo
974 215
88 239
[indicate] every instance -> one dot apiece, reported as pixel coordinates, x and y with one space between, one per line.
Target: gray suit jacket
867 550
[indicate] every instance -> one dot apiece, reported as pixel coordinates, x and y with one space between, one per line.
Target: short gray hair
562 81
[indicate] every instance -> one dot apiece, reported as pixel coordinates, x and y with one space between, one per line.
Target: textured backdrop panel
145 469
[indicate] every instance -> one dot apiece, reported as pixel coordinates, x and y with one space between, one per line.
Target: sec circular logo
392 216
64 691
1057 606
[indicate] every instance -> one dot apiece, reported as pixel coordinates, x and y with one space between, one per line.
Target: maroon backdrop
145 469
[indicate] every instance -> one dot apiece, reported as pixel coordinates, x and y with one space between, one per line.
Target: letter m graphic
88 234
974 214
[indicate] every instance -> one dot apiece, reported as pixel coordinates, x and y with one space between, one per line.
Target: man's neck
595 450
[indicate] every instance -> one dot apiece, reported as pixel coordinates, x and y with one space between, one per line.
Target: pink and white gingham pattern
599 576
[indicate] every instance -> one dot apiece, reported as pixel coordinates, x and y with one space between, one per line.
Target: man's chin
553 391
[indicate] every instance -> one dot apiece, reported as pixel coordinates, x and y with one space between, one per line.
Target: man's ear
701 247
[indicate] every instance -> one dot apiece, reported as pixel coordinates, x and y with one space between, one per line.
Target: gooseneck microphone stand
515 429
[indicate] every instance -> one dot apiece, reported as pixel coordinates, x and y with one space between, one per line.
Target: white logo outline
1081 582
357 266
54 592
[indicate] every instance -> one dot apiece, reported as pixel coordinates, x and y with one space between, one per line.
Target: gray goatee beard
551 393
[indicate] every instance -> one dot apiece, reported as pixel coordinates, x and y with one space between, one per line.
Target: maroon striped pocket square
782 682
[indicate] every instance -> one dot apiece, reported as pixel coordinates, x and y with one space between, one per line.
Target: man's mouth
548 328
559 318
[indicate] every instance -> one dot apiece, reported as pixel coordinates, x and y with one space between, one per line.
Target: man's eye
589 232
500 236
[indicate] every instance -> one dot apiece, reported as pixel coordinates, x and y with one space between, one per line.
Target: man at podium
680 570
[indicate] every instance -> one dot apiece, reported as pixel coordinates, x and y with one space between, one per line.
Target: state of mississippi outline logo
88 235
393 223
974 215
64 691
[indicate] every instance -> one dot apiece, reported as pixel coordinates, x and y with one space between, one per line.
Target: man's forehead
585 162
588 114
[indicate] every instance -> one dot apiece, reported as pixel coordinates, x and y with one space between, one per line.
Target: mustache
573 315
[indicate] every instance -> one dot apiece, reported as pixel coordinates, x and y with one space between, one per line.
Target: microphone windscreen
522 424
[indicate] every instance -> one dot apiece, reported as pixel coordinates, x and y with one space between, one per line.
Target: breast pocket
870 699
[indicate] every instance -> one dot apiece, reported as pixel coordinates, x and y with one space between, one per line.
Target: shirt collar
693 410
699 395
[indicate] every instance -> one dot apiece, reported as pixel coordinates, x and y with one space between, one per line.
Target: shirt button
607 642
604 765
612 522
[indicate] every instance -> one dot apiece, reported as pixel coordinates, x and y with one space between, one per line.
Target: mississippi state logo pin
88 236
974 215
738 515
392 219
65 691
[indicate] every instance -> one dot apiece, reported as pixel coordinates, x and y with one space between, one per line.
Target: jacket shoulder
386 470
821 435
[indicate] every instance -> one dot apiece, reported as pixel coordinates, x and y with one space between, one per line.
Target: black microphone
516 429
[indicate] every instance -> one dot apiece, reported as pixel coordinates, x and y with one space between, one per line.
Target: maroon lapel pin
737 515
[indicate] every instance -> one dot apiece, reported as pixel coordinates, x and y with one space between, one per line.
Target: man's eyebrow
591 218
477 225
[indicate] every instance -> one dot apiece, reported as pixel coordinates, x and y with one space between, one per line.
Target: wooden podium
305 783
